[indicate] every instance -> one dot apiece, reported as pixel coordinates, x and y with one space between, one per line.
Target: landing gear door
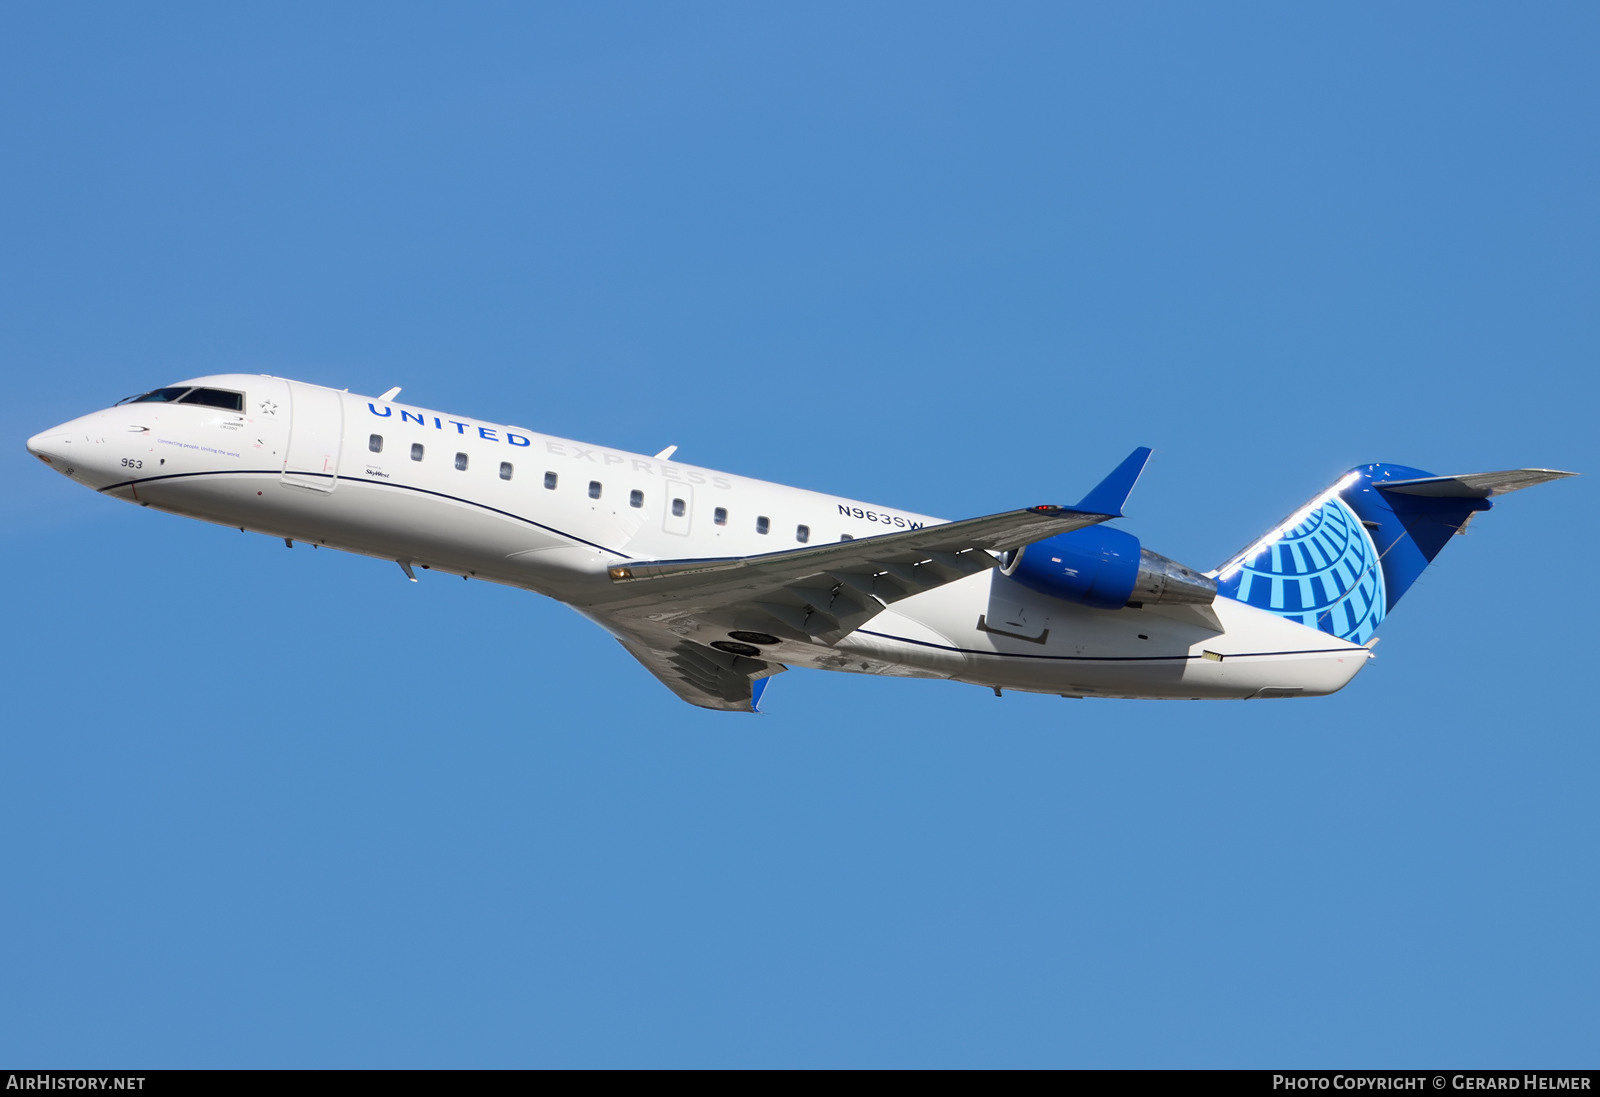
316 431
679 509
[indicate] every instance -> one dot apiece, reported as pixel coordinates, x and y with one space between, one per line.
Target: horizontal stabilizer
1473 485
1111 494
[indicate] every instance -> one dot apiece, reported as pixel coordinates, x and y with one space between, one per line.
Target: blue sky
274 808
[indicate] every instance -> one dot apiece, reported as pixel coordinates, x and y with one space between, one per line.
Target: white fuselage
513 506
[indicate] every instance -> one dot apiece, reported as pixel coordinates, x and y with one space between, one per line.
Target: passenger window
594 489
678 508
375 443
762 525
720 516
416 451
802 534
461 462
550 480
505 470
636 498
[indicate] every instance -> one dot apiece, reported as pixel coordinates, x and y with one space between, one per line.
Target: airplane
716 582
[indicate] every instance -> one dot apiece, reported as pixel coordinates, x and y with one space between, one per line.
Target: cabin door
680 508
316 430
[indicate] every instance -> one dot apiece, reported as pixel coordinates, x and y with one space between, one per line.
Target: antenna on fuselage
391 394
666 454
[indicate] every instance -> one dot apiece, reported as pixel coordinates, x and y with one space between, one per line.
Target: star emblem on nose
268 407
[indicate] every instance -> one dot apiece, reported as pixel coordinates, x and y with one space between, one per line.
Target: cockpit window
159 396
184 394
214 398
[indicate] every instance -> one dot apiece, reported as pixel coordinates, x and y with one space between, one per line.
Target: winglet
1110 494
757 688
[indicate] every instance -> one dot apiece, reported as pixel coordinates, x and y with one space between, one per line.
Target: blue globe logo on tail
1323 572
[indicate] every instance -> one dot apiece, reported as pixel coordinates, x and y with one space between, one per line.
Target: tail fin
1342 561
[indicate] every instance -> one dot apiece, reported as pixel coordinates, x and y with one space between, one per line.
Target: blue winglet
1110 494
757 688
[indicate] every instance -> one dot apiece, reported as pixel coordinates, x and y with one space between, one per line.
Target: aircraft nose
73 451
51 446
88 449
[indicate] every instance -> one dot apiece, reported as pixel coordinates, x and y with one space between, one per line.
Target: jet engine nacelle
1107 569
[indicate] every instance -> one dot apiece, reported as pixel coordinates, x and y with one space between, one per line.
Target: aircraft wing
821 592
828 591
703 676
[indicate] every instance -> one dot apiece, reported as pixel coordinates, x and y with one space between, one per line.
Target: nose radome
88 449
50 446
